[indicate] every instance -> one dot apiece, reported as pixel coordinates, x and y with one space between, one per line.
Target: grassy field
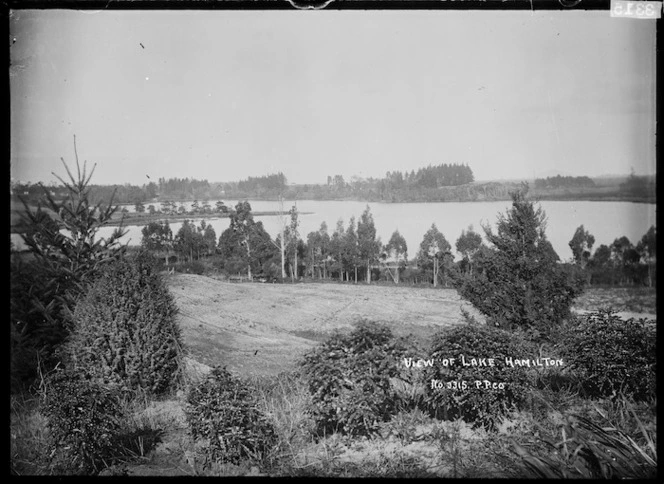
259 331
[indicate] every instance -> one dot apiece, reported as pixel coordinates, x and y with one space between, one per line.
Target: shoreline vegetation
138 219
142 218
434 183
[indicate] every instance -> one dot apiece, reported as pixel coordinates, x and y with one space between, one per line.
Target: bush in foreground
222 413
350 378
612 355
590 449
125 329
452 391
85 421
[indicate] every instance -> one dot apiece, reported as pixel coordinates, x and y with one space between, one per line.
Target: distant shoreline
128 219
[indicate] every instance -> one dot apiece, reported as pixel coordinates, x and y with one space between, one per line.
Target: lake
605 220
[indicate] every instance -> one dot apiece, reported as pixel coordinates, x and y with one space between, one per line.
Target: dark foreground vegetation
534 392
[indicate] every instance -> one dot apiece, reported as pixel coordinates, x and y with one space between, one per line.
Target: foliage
126 332
66 252
221 411
434 253
84 422
191 267
647 248
349 378
456 395
581 245
591 450
613 355
396 250
318 251
564 182
191 241
468 244
368 247
246 243
622 263
521 284
157 236
291 242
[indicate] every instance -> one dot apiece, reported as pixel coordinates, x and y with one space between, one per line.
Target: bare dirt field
263 329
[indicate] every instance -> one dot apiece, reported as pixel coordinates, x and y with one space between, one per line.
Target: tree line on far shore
352 252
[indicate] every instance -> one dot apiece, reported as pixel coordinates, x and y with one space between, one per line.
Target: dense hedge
612 355
351 379
125 328
451 388
222 413
85 422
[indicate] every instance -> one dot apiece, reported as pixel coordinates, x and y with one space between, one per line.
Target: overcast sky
223 95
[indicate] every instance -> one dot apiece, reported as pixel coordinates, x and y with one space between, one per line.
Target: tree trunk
313 263
368 273
355 274
248 261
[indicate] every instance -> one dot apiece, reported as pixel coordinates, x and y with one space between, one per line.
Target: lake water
605 220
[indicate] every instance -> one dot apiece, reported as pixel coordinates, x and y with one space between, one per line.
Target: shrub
192 267
613 355
84 422
222 412
518 281
66 251
350 379
125 328
452 391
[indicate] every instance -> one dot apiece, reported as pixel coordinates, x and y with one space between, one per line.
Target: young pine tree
125 329
522 285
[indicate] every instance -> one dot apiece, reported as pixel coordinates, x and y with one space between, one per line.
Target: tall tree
293 237
208 237
433 248
337 248
281 239
185 241
63 239
624 256
468 243
581 245
242 223
313 244
157 236
351 252
367 244
647 248
397 250
324 247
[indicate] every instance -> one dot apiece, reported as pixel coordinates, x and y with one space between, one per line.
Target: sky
224 95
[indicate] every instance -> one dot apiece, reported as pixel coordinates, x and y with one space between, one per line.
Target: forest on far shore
440 183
